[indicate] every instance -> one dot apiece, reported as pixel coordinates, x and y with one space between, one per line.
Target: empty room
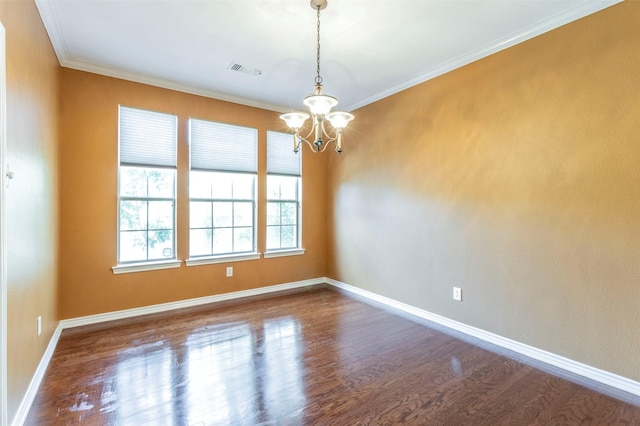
223 212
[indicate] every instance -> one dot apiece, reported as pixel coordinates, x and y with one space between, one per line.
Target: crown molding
48 14
525 34
166 84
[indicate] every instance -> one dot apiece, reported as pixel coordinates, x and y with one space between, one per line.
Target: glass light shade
320 104
339 119
294 120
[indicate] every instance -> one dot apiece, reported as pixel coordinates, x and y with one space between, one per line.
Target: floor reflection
140 392
315 358
219 361
220 374
283 387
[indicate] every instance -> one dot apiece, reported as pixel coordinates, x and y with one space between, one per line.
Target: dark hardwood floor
312 358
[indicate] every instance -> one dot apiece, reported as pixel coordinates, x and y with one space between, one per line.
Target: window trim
283 252
225 258
174 200
126 268
212 258
298 202
279 149
211 136
169 163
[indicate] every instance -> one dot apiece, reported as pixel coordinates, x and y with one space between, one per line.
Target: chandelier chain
318 79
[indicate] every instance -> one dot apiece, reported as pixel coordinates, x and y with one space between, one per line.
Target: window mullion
233 224
147 226
280 228
212 228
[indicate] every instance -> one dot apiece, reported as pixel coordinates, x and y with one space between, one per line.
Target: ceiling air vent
244 69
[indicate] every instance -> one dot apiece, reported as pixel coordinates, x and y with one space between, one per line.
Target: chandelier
320 107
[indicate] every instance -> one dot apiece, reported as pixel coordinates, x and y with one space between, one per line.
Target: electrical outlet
457 294
39 323
229 271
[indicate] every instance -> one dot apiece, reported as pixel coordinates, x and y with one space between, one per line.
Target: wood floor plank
312 358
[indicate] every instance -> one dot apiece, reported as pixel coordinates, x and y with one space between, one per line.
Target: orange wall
89 170
517 178
32 198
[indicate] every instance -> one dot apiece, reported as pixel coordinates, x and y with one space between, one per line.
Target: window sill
222 259
126 268
282 253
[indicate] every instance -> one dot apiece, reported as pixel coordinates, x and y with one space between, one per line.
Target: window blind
281 159
223 147
147 137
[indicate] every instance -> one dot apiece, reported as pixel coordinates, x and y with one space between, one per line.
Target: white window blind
281 159
223 147
147 137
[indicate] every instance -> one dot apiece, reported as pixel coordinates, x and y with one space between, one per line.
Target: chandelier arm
325 142
330 139
324 146
311 132
311 146
329 136
314 148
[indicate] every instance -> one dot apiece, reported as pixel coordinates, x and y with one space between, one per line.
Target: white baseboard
164 307
30 395
600 376
573 367
32 390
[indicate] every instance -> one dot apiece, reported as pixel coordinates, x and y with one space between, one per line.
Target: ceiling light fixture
320 107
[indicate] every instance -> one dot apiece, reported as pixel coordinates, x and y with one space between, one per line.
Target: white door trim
3 228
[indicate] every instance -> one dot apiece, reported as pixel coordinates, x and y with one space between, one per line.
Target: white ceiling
369 49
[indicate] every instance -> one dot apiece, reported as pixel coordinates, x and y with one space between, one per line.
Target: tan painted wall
89 157
32 198
516 178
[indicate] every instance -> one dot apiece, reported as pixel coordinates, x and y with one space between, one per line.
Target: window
222 189
146 186
283 193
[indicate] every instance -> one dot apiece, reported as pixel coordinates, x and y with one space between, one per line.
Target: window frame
147 230
232 200
298 216
279 143
155 263
194 260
